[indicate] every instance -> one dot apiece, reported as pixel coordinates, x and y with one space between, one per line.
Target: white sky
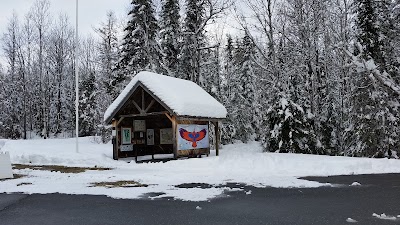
91 12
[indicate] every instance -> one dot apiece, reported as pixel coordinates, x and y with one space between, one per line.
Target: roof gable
140 100
180 97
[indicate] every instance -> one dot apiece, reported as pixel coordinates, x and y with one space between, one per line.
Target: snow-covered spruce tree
395 16
140 50
193 40
228 128
291 128
210 77
87 104
388 34
375 31
243 96
375 109
170 36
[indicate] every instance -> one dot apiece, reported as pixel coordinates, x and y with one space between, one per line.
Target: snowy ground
238 163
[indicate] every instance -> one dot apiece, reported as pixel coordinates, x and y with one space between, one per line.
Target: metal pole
76 82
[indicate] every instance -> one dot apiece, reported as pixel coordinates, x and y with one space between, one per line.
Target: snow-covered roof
182 97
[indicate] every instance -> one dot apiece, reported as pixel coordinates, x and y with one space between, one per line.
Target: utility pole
76 82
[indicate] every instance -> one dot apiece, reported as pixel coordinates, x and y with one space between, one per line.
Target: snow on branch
214 8
370 67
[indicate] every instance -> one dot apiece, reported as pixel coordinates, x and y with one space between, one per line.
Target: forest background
304 76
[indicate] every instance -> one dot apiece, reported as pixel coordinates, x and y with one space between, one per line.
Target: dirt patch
121 183
55 168
194 185
24 183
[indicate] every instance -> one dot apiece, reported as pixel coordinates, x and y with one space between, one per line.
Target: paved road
328 205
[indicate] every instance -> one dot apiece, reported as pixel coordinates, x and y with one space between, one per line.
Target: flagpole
76 81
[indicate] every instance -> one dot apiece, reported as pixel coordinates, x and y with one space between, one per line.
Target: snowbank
60 152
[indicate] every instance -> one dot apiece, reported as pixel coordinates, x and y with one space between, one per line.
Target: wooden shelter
157 114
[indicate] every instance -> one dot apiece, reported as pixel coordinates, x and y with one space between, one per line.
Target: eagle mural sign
192 136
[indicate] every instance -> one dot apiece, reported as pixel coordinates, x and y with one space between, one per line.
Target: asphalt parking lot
326 205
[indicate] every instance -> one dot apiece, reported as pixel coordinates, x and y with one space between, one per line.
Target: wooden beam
150 105
114 139
156 98
168 116
174 139
137 106
143 105
120 120
144 114
122 103
213 120
217 137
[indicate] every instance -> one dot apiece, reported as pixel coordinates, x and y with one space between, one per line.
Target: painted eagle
193 137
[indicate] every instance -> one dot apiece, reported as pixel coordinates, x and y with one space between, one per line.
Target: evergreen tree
290 128
193 40
375 127
170 36
210 78
395 16
375 32
228 126
88 116
244 97
140 50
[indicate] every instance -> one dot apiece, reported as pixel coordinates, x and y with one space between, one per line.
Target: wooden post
115 138
217 137
174 139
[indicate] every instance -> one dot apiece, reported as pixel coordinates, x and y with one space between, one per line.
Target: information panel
126 148
166 136
126 136
150 136
139 125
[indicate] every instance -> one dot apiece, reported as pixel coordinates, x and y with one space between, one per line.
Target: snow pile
383 216
237 163
350 220
355 183
183 97
61 152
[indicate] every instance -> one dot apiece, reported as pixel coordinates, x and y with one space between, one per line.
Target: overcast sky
91 12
